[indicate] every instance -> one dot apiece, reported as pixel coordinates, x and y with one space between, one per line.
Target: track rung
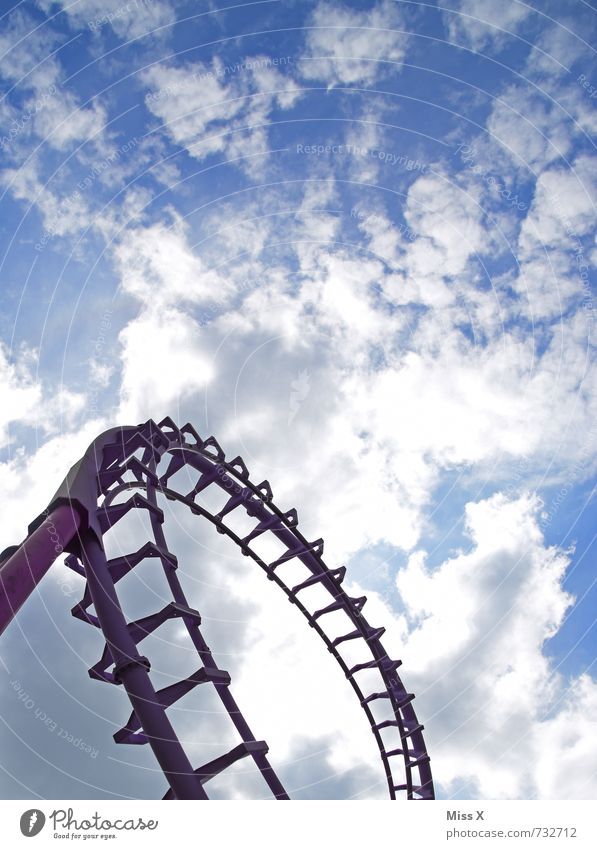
404 700
79 611
123 735
337 575
171 694
390 666
374 696
141 628
355 603
291 517
393 752
108 516
213 768
266 491
109 476
99 674
419 756
387 723
311 548
422 758
386 695
373 634
354 635
119 566
422 791
271 523
205 480
242 497
218 765
408 732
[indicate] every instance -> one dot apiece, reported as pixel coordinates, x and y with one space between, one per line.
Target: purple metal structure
92 499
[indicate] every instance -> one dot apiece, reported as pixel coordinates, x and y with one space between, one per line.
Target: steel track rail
131 459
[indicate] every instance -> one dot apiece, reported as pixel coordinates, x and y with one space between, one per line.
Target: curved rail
133 459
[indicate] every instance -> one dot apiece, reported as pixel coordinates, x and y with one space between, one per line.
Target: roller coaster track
141 462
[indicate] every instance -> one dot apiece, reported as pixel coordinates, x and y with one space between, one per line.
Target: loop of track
120 469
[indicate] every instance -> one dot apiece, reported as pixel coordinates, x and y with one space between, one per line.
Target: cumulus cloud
533 131
21 393
127 18
30 477
158 267
61 213
44 110
569 735
563 207
472 635
481 24
25 52
359 331
163 361
221 108
348 47
67 122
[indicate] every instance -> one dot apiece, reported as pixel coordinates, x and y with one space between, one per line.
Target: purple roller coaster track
95 495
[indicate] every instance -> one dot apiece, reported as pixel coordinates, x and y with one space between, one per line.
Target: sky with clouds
355 241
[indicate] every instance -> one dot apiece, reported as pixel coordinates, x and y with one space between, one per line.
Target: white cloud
481 24
556 49
100 373
449 220
24 52
67 123
547 285
190 100
35 410
128 18
499 399
368 133
47 110
473 634
61 213
20 392
563 207
25 400
551 246
532 129
563 746
158 267
163 362
221 108
31 409
29 478
347 47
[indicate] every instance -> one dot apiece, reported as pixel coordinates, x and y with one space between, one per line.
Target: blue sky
356 242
